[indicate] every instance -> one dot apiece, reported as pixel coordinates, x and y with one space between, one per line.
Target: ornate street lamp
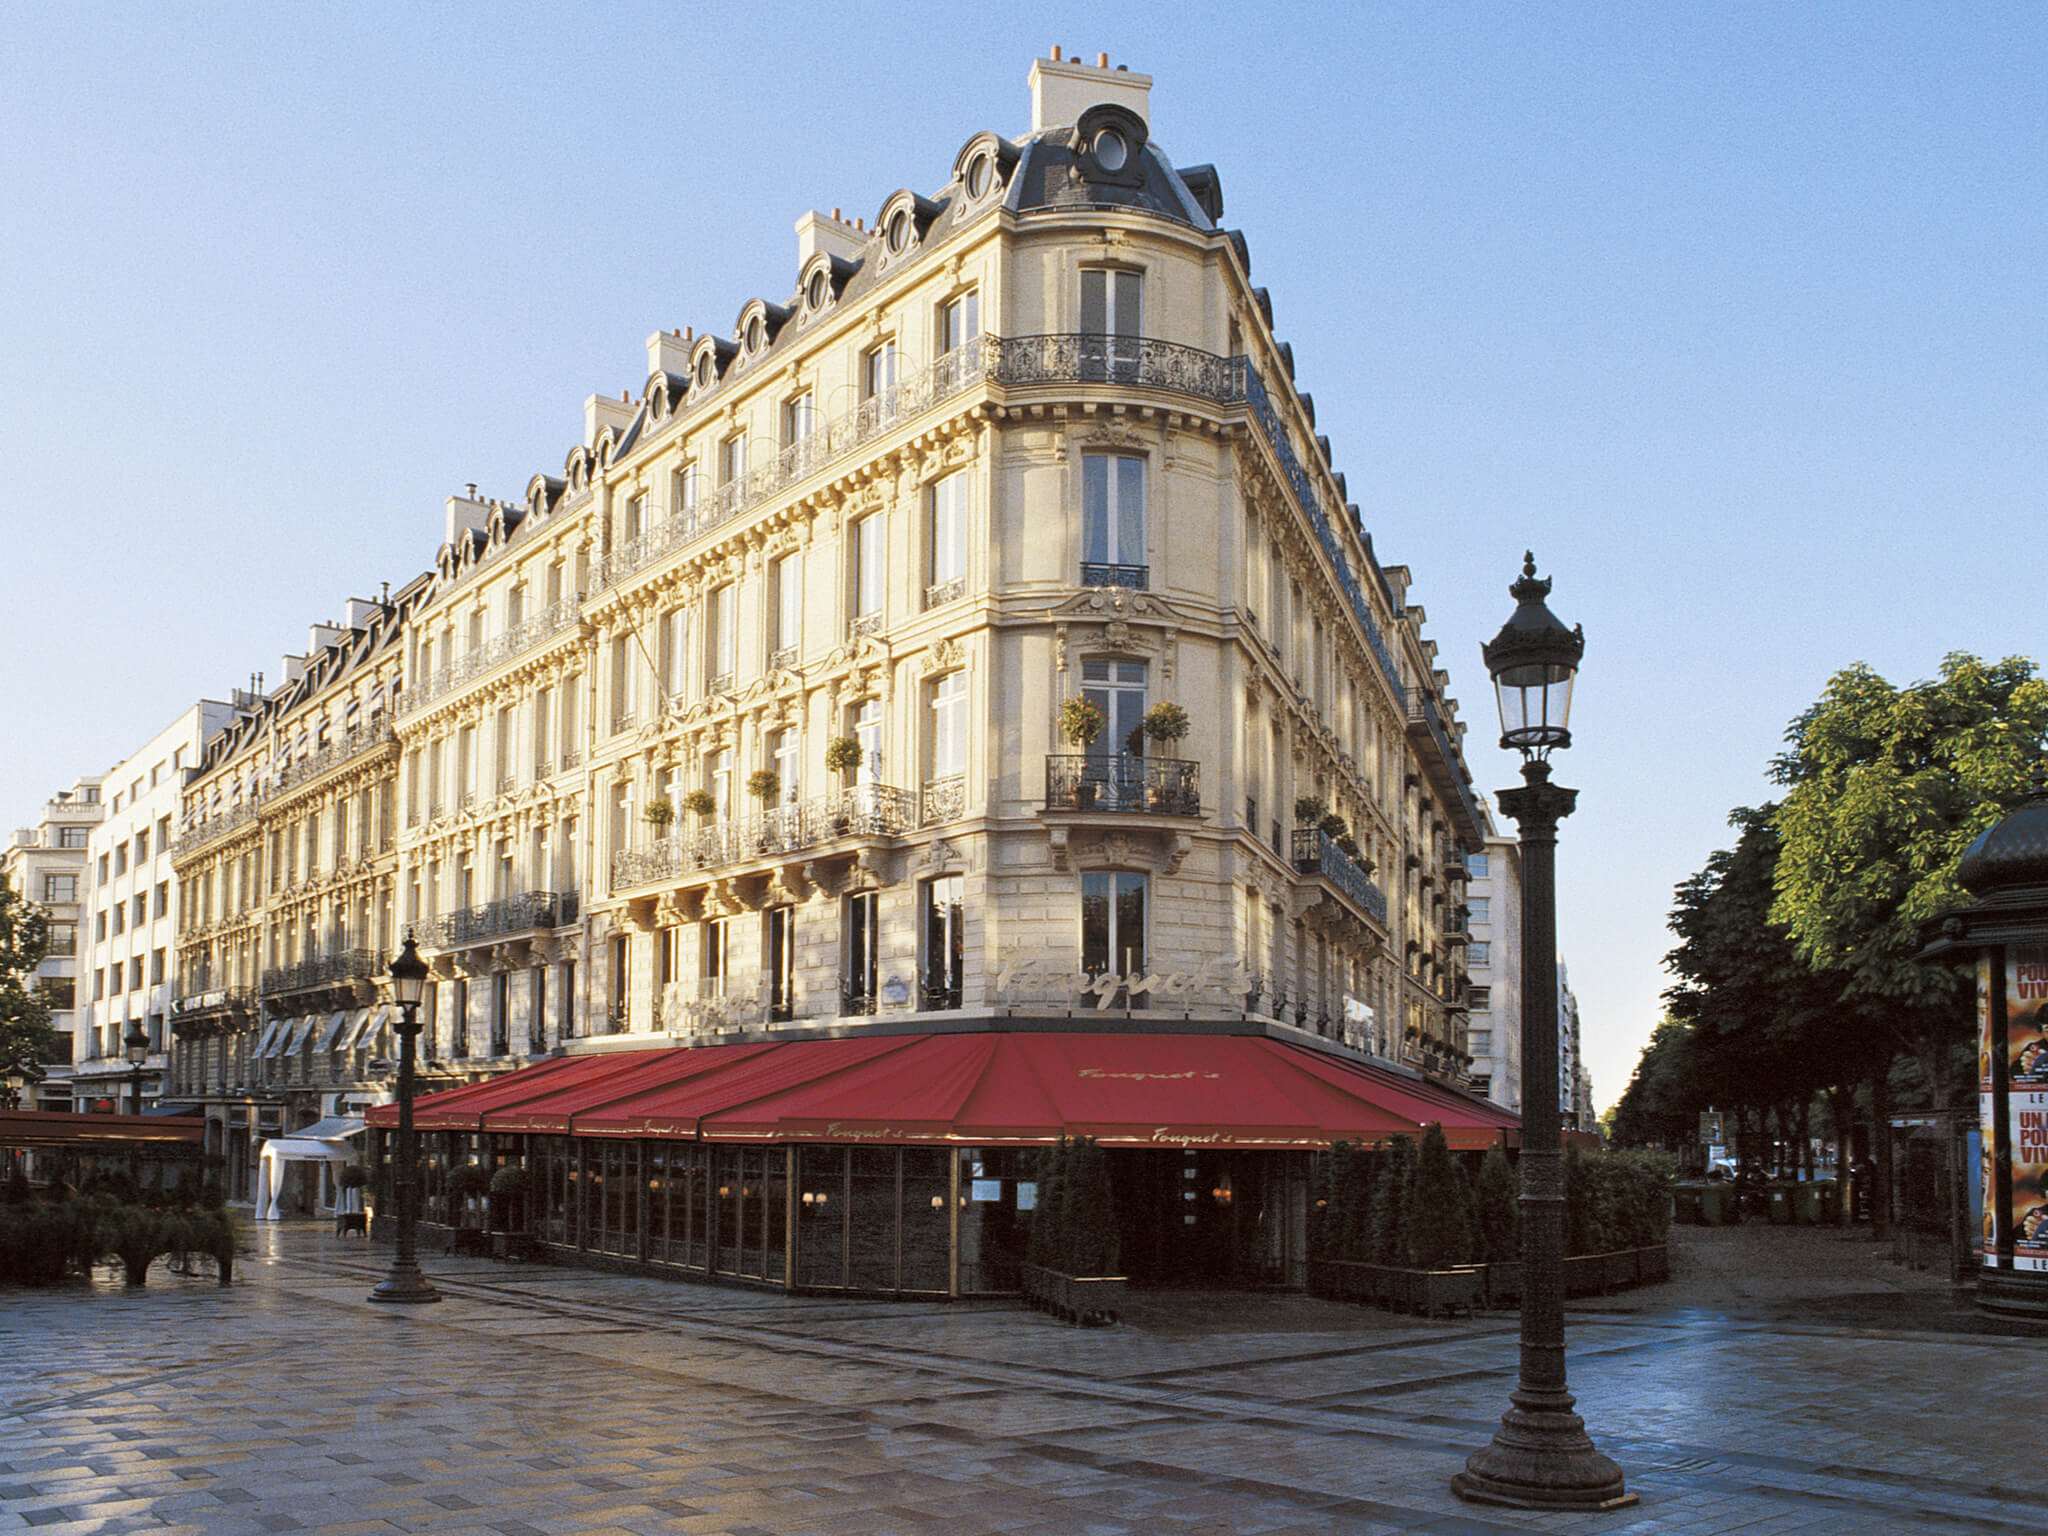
1541 1457
405 1283
135 1045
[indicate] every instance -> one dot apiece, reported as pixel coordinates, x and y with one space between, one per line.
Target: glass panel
993 1230
775 1213
1095 508
927 1225
1130 512
696 1186
821 1216
750 1212
871 1219
726 1210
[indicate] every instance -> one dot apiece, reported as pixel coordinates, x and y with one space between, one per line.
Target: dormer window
979 175
1111 152
704 371
899 231
816 291
757 334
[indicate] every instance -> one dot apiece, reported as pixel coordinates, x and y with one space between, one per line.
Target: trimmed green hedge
1073 1226
49 1242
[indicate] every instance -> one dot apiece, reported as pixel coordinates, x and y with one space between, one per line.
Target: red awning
103 1133
1155 1090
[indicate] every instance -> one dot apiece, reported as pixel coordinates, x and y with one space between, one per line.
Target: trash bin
1829 1193
1685 1204
1778 1204
1806 1204
1717 1205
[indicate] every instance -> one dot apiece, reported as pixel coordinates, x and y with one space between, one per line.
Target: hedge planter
1504 1284
1468 1287
1090 1301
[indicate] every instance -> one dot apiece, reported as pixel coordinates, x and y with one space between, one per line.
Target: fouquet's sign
1042 981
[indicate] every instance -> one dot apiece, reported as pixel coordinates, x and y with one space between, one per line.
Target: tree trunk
1802 1163
1881 1152
1842 1110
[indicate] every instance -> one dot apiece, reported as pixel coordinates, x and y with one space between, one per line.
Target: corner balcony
1444 766
1316 854
825 827
531 917
1118 801
1121 783
206 1010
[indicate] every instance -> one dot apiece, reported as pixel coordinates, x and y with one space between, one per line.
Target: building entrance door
1209 1218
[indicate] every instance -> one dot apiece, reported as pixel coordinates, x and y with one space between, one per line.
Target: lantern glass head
136 1044
1534 661
408 975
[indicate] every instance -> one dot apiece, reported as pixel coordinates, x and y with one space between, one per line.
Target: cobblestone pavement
1787 1380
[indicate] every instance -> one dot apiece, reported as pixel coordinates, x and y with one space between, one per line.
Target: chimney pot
472 490
1055 53
1102 61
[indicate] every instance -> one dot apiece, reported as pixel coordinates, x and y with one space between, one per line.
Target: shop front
905 1164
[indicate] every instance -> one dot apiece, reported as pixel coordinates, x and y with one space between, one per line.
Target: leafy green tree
1498 1217
1390 1193
1664 1096
1440 1207
1885 788
26 1039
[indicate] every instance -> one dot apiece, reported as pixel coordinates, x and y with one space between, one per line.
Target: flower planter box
1654 1264
472 1240
1622 1269
1585 1275
1091 1301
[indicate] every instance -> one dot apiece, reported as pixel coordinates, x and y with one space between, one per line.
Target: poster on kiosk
2026 1037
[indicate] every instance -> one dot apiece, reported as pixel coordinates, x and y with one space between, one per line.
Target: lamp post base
1542 1458
406 1285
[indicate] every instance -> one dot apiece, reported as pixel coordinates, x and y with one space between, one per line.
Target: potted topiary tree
763 784
842 754
467 1184
660 814
1308 810
698 802
1070 1270
1081 721
509 1231
1168 724
1440 1230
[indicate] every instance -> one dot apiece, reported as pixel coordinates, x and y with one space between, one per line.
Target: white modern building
47 864
130 913
1493 897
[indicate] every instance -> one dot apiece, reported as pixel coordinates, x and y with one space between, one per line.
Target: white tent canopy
325 1141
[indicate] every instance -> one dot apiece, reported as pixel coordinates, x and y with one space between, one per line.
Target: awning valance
1156 1090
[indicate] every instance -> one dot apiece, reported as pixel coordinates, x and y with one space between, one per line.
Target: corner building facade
747 725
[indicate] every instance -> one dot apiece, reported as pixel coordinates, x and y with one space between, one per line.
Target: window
140 913
1110 314
670 638
1481 953
134 973
120 858
682 490
63 939
878 370
1113 928
713 970
799 418
1480 907
785 759
718 774
163 898
636 519
543 711
120 916
868 554
60 888
1113 520
142 846
721 633
863 925
732 458
947 539
99 926
1476 864
1482 999
156 967
943 939
778 945
867 733
786 579
959 321
71 837
948 726
1117 688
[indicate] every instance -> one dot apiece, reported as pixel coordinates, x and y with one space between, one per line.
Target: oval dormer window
814 292
704 372
978 175
757 334
899 230
1111 152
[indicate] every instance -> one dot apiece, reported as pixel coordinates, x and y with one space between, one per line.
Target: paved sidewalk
541 1400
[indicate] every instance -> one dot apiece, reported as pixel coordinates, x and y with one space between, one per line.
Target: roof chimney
667 352
465 514
815 232
601 411
1062 89
357 612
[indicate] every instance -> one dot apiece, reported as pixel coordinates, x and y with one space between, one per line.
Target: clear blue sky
1735 312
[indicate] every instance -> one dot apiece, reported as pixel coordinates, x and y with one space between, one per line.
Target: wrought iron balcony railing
1134 578
949 375
1450 764
195 834
1317 853
515 641
940 593
867 810
329 970
1074 358
1119 781
498 919
344 748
